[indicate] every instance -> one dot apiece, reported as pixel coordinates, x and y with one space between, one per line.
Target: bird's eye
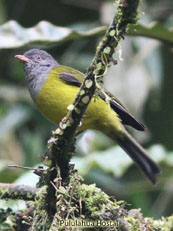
38 57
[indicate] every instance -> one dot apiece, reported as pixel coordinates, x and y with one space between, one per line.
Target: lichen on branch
22 192
61 144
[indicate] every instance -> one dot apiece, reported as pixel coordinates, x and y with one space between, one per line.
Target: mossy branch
84 206
126 14
61 144
22 192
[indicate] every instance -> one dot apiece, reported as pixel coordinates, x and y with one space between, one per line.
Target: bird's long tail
139 156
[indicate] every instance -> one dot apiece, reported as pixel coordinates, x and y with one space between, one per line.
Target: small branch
61 144
19 192
18 166
39 171
63 137
62 141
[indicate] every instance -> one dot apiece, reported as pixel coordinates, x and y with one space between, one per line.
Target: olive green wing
75 78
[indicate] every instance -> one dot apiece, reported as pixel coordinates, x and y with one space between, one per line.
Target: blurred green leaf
8 175
160 154
92 141
33 145
13 35
115 160
28 178
12 94
15 116
155 30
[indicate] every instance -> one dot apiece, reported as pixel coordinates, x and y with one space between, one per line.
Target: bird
53 88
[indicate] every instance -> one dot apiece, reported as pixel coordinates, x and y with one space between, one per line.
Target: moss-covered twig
61 145
83 205
22 192
126 13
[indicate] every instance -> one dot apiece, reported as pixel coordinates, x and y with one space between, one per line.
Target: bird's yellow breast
56 95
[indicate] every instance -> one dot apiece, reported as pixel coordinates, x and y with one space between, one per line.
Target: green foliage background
142 81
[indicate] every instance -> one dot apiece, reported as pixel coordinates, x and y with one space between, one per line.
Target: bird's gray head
37 66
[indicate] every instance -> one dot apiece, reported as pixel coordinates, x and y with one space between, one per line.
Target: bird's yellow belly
55 96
